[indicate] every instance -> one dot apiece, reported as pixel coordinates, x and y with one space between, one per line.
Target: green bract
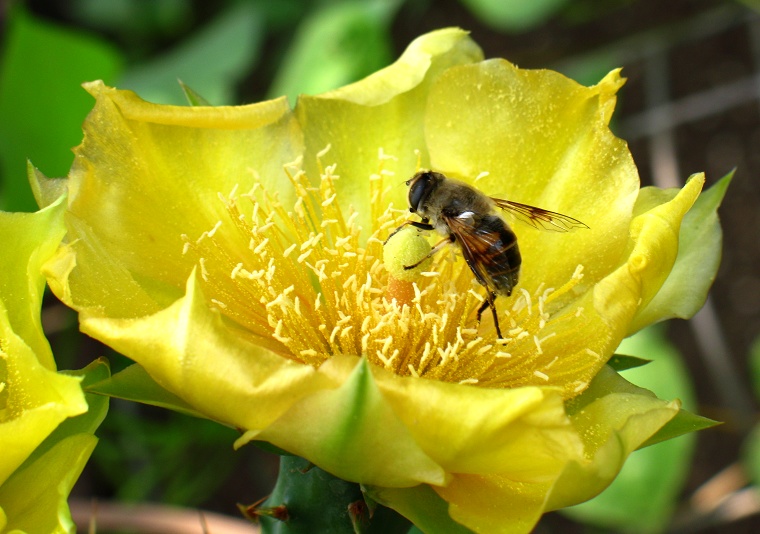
235 253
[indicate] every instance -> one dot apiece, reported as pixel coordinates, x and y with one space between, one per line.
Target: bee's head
420 186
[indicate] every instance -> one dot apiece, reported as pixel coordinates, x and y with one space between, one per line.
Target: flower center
300 281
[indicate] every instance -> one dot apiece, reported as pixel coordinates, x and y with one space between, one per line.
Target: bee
467 217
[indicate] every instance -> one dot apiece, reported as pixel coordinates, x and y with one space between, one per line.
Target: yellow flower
236 253
37 469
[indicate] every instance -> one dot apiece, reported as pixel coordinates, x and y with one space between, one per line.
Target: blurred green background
691 104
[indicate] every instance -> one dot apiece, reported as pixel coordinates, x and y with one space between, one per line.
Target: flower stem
308 499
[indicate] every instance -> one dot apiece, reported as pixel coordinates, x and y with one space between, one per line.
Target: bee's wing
538 217
477 248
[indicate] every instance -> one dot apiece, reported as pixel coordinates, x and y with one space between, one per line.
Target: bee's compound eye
420 184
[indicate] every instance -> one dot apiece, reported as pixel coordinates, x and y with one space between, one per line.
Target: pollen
307 282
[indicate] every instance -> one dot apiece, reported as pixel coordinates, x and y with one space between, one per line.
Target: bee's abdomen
501 257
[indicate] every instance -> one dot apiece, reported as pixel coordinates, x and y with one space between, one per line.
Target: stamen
542 376
322 153
548 337
211 232
331 296
261 246
475 294
593 353
538 344
204 271
528 301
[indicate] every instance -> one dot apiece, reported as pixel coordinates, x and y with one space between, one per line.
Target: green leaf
623 362
42 105
699 251
135 384
513 15
193 98
343 425
213 60
644 495
685 422
338 43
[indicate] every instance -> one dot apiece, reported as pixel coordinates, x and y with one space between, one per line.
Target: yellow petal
46 190
699 251
589 329
380 117
154 173
33 399
522 431
28 239
189 350
653 250
495 503
354 433
614 418
420 504
544 141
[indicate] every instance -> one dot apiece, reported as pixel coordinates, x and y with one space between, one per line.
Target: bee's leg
489 302
397 230
421 225
438 246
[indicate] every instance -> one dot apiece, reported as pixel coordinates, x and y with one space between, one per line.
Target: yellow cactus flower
236 253
36 471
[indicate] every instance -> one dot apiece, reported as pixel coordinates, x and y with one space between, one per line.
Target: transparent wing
485 254
538 217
